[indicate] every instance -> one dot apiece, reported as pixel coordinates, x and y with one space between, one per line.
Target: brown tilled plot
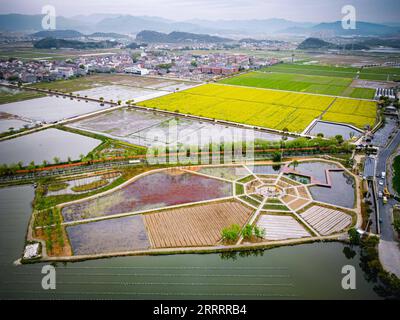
192 226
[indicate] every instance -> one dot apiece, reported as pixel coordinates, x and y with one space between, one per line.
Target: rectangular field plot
228 173
336 86
281 227
107 236
45 145
258 107
315 70
148 128
49 109
326 221
358 113
194 226
122 93
152 191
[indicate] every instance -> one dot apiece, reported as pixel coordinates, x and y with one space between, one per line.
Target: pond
50 109
333 129
316 169
152 191
310 271
265 169
341 193
45 145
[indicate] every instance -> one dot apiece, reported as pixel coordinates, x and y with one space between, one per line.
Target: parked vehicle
383 175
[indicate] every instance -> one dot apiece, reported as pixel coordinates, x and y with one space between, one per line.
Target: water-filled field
341 193
336 86
49 109
332 129
151 191
264 107
12 124
315 169
123 93
229 173
45 145
111 235
148 128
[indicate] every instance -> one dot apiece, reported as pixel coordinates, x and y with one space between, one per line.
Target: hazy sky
298 10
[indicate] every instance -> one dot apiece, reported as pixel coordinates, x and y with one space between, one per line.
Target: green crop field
262 107
379 73
301 83
374 73
314 70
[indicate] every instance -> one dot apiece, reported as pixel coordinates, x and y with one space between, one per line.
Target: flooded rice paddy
333 129
287 272
228 173
45 145
111 235
148 128
50 109
123 93
151 191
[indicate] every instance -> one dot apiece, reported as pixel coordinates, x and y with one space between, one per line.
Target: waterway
310 271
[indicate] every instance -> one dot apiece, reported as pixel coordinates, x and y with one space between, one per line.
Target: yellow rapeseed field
259 107
355 112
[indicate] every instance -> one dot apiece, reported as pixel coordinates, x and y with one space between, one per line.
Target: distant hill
63 34
362 29
31 23
315 43
175 37
48 43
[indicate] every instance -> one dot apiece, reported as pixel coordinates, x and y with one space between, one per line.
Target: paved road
389 251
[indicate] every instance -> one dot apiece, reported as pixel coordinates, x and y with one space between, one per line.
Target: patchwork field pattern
261 107
374 73
302 83
195 225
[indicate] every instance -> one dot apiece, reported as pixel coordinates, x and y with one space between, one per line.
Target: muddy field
194 226
114 235
152 191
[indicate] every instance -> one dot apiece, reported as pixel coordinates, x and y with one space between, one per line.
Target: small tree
56 160
276 156
354 236
231 233
295 164
339 138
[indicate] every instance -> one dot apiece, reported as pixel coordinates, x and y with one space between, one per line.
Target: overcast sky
297 10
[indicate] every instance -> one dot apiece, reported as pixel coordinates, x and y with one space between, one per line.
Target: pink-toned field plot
192 226
281 227
326 221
